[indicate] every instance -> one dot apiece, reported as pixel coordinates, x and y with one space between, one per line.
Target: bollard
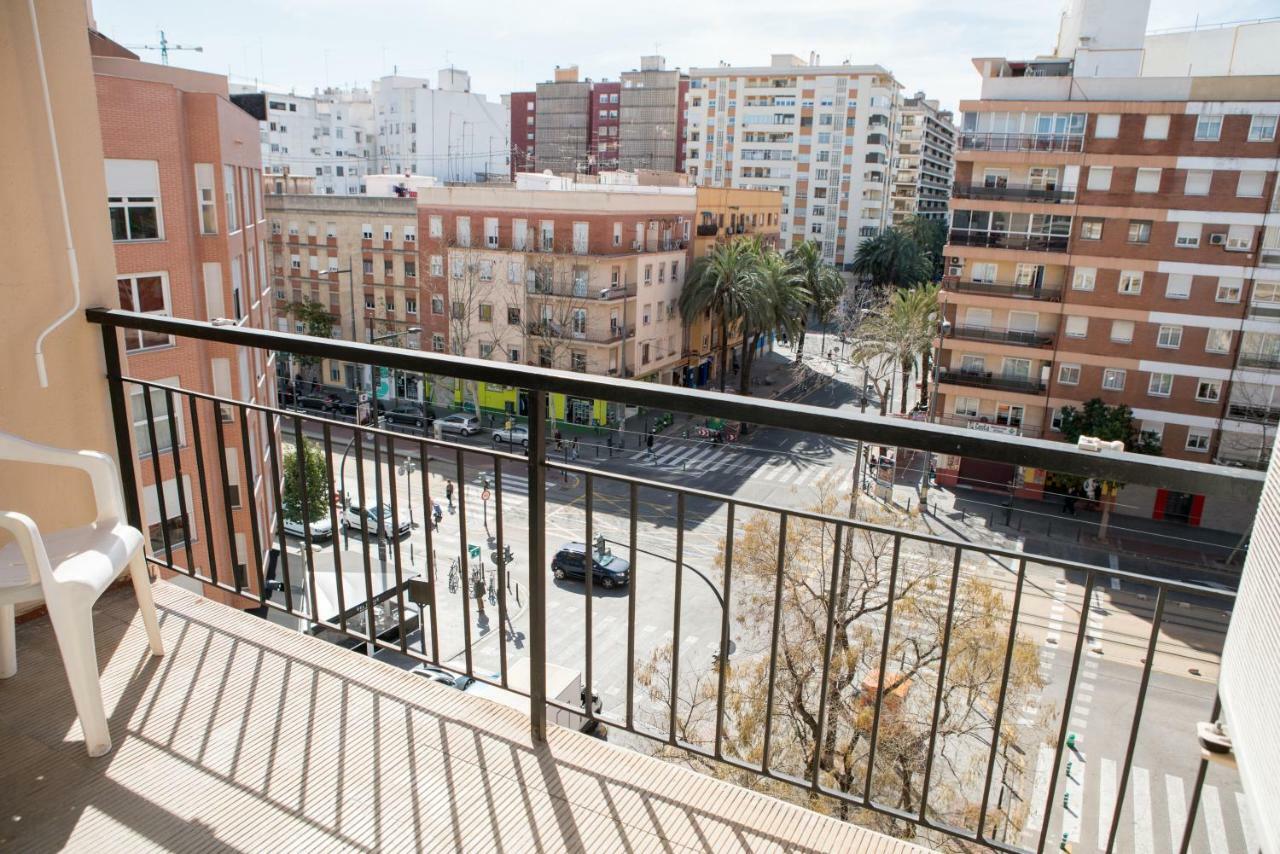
1066 800
1071 740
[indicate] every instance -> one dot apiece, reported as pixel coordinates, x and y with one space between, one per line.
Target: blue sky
303 44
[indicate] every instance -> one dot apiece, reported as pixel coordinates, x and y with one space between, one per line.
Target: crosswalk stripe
1177 809
1106 800
702 458
1143 842
1044 766
1246 824
1213 823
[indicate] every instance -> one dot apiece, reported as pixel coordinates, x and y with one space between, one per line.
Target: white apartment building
923 160
821 134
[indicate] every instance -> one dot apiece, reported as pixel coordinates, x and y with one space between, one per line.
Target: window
548 235
133 200
1091 228
1209 391
175 526
159 418
1077 327
1197 440
967 406
1250 185
984 273
459 310
388 268
519 234
1122 331
1139 231
437 342
1198 182
1084 278
1069 374
515 271
486 312
462 229
1239 238
1188 236
1262 129
486 349
1113 379
1157 127
1099 178
1160 385
1169 337
1147 181
410 269
410 305
229 196
386 233
149 294
1208 127
617 234
1130 282
369 302
1178 286
366 231
437 305
580 240
1107 126
435 226
366 266
486 269
410 234
455 267
513 316
1217 341
207 198
1229 289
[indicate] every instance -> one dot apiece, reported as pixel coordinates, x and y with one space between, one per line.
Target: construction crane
164 47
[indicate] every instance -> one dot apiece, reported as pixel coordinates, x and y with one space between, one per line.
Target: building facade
186 210
1123 246
923 160
652 117
821 135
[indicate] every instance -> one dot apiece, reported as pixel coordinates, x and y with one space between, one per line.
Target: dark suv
570 562
407 413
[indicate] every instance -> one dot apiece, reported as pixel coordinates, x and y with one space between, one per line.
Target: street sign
473 551
384 384
484 496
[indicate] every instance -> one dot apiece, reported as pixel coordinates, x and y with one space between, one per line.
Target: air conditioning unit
1218 238
955 271
955 259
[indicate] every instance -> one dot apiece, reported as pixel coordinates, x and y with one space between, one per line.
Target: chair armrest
107 493
27 536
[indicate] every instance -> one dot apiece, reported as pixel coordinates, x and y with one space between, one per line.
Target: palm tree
777 301
913 316
929 236
721 283
891 258
821 282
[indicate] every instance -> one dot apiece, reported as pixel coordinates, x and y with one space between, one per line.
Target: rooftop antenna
164 47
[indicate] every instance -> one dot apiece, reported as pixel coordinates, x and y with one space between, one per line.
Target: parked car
407 413
609 570
460 422
351 520
517 435
461 681
320 529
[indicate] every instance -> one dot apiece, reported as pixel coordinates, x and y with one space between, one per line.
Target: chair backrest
103 475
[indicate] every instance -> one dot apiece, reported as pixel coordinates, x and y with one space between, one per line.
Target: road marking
1106 800
1044 765
1074 794
1213 823
1246 823
1079 723
1143 841
1177 809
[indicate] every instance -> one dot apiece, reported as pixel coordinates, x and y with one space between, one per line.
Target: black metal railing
1004 240
878 707
1002 336
988 379
1048 294
1012 193
1257 413
1021 142
1264 361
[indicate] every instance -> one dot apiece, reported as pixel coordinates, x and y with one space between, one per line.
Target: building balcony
568 290
319 717
1254 413
1020 142
988 379
995 289
1003 240
590 335
707 229
1012 193
1002 336
1259 361
988 424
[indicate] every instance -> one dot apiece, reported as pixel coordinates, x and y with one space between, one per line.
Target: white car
351 520
517 435
467 425
320 529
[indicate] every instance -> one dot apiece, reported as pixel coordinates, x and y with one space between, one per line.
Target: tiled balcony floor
249 737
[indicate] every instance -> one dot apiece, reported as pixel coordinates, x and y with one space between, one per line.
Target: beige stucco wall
34 279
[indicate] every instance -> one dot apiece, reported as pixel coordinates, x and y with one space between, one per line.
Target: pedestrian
573 449
477 592
559 439
508 425
649 444
436 514
448 494
1069 502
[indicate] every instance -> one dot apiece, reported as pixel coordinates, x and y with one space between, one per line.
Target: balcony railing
1012 193
1020 142
590 335
892 718
1256 413
707 229
988 379
988 423
1263 361
1002 336
569 290
995 289
1003 240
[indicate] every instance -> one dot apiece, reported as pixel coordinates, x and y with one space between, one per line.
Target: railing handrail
1043 292
1179 475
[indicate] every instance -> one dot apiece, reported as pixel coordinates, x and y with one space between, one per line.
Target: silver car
467 425
518 435
320 529
351 520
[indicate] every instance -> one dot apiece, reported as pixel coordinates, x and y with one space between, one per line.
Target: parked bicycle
453 577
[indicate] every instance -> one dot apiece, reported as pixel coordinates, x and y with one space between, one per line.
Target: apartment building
357 257
923 160
652 118
524 131
1117 239
579 275
184 198
821 135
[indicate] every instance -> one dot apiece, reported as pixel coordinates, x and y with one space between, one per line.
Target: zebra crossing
698 458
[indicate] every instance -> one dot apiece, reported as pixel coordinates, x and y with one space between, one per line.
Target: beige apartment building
1116 240
923 160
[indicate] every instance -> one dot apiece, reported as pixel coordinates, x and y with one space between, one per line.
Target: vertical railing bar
394 535
633 493
155 471
675 632
726 588
334 529
502 570
225 485
464 569
175 448
884 662
942 679
773 642
198 447
371 631
278 502
1189 828
996 734
1121 790
589 571
300 458
1081 627
424 459
537 567
824 691
123 426
247 453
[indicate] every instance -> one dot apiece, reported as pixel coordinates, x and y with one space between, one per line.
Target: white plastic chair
69 569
